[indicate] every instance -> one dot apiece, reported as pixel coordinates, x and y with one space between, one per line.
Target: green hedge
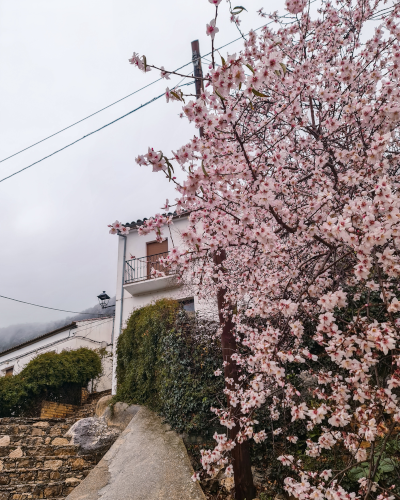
49 376
166 361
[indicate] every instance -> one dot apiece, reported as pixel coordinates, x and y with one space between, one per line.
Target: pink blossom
164 74
211 29
286 459
295 6
140 160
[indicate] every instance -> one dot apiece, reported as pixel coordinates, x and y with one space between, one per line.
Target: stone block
43 475
1 465
28 477
41 424
72 481
60 441
37 432
53 464
54 476
5 441
52 491
26 464
17 453
78 464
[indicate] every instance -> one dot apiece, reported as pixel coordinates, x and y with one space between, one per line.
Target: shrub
48 376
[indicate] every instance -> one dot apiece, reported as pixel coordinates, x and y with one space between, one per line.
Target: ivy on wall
52 376
166 361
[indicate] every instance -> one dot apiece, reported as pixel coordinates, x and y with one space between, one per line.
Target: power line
45 307
116 102
112 104
83 119
145 87
87 135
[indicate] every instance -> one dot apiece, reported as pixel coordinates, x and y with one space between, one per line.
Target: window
187 304
9 371
155 250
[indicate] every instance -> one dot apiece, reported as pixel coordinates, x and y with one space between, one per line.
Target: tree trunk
244 486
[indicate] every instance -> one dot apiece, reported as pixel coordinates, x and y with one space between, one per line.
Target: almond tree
294 217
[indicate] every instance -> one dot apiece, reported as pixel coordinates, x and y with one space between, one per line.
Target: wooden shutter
153 250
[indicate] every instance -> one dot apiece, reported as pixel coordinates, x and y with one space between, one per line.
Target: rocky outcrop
92 435
102 405
97 434
120 415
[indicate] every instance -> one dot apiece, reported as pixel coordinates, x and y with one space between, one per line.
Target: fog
13 335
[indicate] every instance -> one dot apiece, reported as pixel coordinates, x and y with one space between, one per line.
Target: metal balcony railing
140 269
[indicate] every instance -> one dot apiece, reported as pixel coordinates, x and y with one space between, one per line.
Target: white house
136 286
92 333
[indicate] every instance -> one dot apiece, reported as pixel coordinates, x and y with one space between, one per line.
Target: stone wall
37 461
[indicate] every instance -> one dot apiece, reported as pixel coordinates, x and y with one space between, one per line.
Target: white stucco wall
88 333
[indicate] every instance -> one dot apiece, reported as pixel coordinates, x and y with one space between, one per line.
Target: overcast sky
61 61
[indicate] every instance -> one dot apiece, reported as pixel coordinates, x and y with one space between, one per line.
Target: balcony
139 277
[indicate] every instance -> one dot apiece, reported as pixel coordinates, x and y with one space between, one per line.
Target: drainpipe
112 330
115 338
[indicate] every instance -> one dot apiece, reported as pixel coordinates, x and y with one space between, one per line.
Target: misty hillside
13 335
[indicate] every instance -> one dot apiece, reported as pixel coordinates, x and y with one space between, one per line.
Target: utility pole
198 71
244 485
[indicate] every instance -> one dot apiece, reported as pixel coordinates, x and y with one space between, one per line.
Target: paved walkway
147 462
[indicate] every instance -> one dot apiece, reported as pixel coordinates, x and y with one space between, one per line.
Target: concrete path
147 462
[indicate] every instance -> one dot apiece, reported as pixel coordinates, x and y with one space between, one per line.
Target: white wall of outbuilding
91 333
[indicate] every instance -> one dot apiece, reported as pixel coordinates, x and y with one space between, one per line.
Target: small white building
93 333
136 286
